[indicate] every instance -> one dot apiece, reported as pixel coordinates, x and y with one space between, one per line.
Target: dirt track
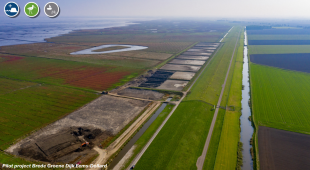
202 158
104 154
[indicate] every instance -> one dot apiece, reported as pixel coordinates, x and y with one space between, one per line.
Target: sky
177 8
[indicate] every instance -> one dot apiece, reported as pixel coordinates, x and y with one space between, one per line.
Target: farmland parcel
279 86
284 150
51 65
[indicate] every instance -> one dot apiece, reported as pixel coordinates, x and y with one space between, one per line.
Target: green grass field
26 106
181 140
278 49
281 98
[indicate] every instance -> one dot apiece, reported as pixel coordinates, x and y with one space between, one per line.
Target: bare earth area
188 62
180 67
140 93
283 150
199 53
182 75
188 57
62 140
176 85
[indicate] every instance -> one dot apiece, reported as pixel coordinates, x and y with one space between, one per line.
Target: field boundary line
201 159
139 155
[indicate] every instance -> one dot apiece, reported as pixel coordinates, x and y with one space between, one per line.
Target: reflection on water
246 127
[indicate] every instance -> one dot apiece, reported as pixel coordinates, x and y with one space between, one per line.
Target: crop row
281 98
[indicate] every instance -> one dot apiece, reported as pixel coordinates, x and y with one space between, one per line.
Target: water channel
246 127
137 136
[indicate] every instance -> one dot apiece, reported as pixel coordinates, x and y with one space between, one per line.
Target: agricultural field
279 94
279 37
181 140
59 72
279 32
26 106
297 62
283 150
278 49
280 98
279 42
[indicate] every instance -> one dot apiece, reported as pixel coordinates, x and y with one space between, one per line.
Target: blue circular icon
11 9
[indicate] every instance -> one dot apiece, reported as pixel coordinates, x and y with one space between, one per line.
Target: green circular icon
32 9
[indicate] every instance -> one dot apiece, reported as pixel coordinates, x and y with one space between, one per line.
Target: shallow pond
92 50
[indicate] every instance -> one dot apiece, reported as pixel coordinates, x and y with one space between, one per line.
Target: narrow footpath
202 158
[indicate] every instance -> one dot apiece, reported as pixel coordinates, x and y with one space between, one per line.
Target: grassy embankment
227 150
149 133
186 142
181 140
215 155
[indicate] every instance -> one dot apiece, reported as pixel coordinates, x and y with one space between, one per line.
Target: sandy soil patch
198 53
176 85
183 75
187 62
181 67
140 93
191 57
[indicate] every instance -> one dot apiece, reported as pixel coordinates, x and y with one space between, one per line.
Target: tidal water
246 127
25 31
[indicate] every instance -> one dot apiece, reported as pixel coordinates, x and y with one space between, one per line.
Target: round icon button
51 9
11 9
32 9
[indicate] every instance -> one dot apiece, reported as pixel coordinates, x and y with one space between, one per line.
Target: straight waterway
137 136
246 127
